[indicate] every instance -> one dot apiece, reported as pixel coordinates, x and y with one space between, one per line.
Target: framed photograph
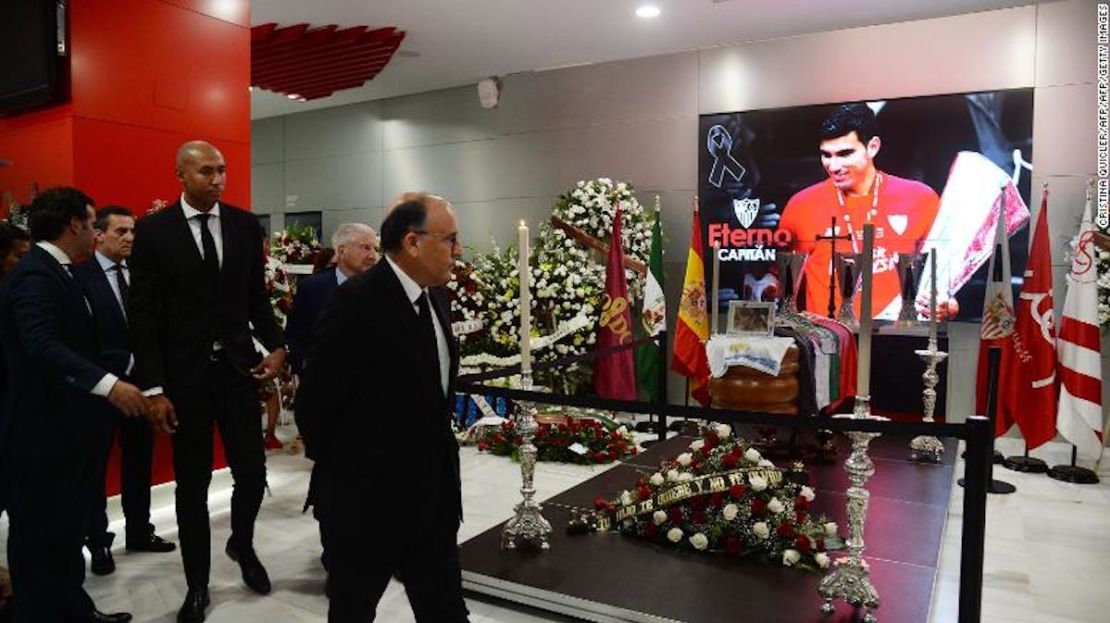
751 319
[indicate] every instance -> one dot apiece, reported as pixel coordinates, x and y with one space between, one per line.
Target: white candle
933 299
525 302
863 372
716 286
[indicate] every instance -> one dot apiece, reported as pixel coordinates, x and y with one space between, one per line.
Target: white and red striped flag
1079 418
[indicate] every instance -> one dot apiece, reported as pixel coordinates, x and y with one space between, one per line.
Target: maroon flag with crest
615 373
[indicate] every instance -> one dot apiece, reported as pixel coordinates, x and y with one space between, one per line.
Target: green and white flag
653 315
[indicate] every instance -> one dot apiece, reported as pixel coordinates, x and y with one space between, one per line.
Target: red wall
146 76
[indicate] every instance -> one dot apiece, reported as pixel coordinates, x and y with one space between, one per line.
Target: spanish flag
692 328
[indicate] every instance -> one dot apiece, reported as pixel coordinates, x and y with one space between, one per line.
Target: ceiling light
293 96
648 11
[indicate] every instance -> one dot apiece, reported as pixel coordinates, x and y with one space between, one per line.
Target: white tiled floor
1047 549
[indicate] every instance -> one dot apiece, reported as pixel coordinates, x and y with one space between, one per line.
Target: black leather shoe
97 616
192 611
254 574
102 561
150 543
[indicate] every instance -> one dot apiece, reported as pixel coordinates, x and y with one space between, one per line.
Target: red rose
497 438
699 517
730 461
717 500
482 446
733 546
614 435
759 506
644 492
634 450
649 530
711 441
801 502
601 503
675 514
736 492
820 545
799 515
786 531
802 543
698 503
601 457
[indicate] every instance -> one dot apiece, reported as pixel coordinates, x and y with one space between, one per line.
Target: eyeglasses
450 239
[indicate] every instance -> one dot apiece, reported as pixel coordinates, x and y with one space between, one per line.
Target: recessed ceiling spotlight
293 96
648 11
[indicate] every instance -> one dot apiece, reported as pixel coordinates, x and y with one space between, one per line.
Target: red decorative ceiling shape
305 62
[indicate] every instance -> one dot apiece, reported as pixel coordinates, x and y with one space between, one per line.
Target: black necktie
121 283
208 243
428 333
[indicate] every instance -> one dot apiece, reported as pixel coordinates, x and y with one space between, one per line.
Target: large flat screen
28 54
927 172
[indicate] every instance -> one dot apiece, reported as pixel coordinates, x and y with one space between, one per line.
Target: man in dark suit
52 408
106 280
197 287
376 411
356 250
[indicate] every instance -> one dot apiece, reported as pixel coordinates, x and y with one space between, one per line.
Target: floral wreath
721 496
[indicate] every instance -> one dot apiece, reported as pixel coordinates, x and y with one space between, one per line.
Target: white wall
637 120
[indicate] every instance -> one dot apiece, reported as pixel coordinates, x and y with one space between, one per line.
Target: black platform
609 577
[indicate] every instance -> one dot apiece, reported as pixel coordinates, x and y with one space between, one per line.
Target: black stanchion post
994 355
976 474
662 395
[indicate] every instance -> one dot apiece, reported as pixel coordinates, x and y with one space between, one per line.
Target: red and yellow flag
692 328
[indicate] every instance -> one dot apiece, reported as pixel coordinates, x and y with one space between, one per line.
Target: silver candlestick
850 577
927 447
527 528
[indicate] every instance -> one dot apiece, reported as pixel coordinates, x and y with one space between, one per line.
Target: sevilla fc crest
898 222
746 210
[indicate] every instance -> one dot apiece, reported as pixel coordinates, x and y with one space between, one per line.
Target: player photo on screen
926 172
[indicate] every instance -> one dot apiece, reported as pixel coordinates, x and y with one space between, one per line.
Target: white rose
752 455
822 560
674 535
758 483
808 494
626 498
657 479
685 477
699 541
790 556
830 529
775 506
658 517
622 431
765 463
672 475
697 445
724 431
761 530
730 511
685 459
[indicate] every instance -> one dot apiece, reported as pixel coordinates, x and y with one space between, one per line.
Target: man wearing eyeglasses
374 408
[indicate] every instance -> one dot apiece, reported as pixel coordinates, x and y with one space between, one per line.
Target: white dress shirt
104 386
413 291
213 226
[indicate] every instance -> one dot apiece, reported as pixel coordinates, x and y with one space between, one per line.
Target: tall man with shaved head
197 288
375 405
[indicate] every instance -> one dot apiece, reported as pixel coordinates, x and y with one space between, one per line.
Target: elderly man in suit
52 407
197 288
356 250
105 280
375 402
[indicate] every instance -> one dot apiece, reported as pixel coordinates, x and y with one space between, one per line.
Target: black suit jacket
370 405
312 294
50 354
111 324
176 314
